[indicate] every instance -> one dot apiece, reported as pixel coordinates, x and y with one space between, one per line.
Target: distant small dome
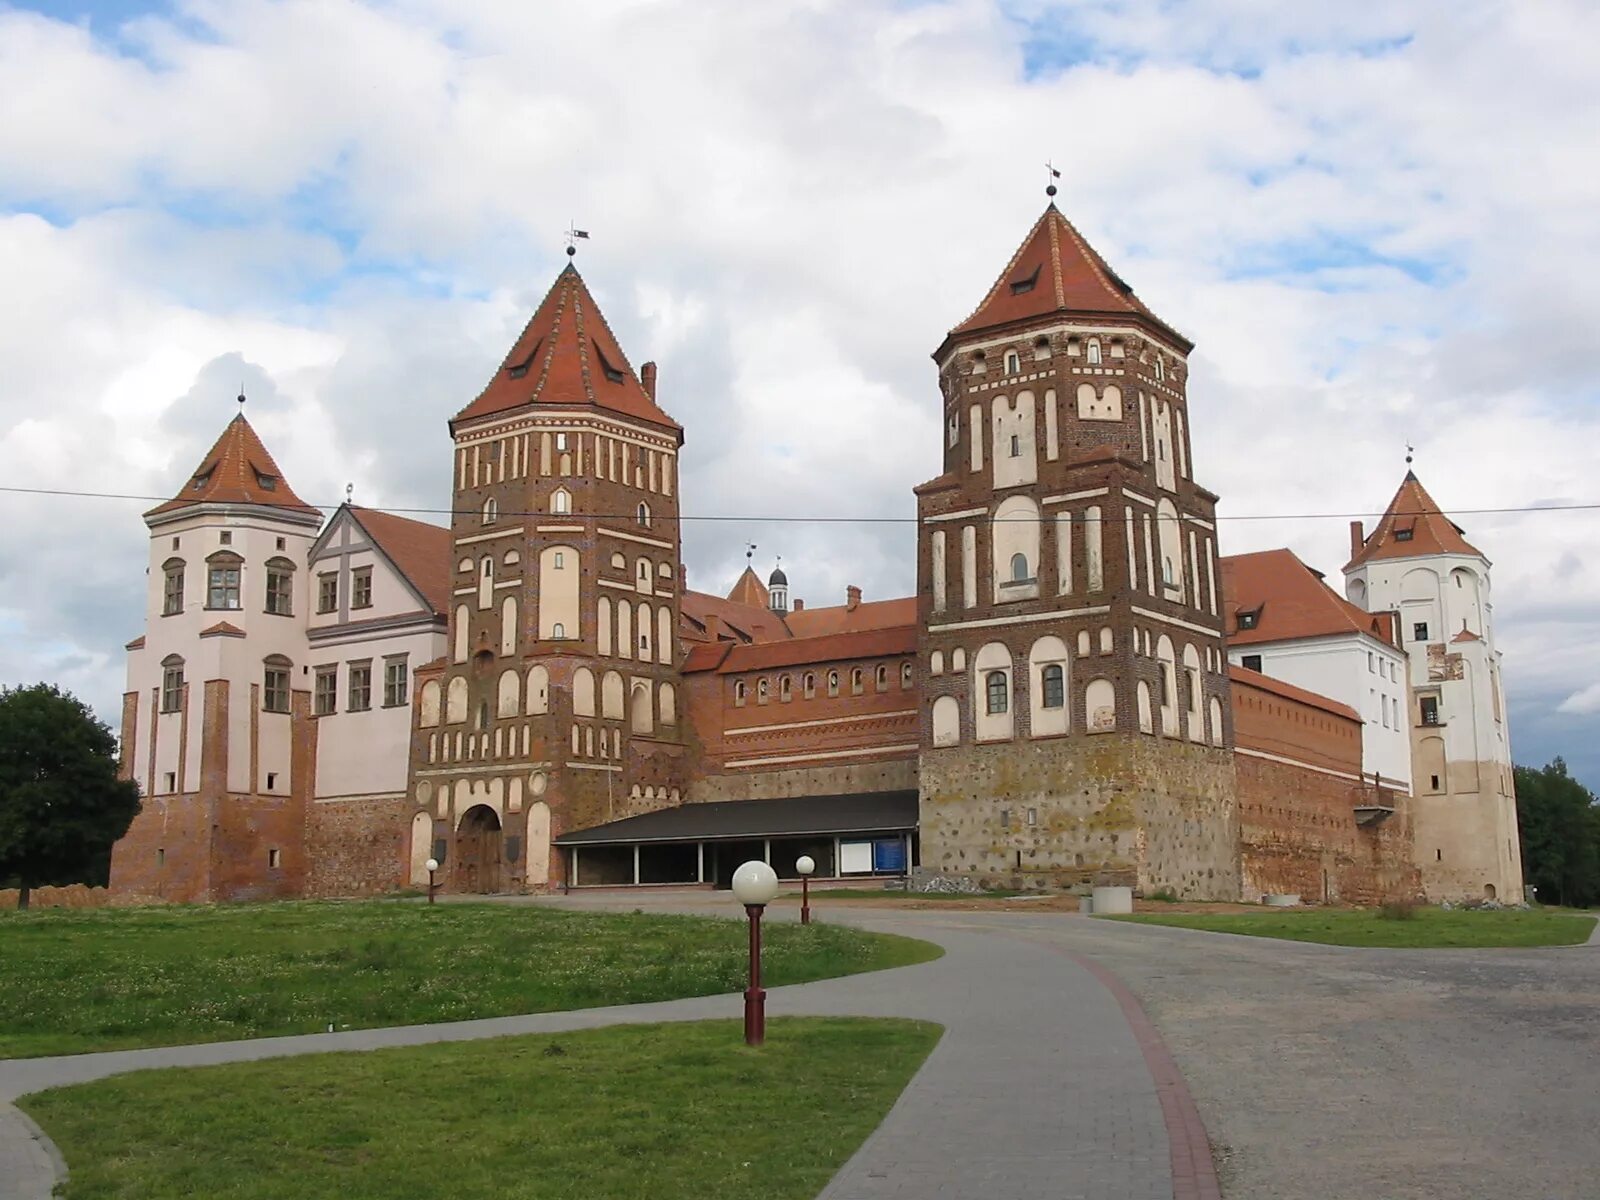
777 578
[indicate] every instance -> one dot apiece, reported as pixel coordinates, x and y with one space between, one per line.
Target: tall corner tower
1078 724
557 705
216 719
1418 564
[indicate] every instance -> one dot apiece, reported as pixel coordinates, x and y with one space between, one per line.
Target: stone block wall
358 847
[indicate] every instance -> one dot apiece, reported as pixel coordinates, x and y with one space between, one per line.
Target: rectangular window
1419 632
1247 620
327 592
272 781
360 696
274 859
279 584
361 587
222 589
325 696
396 676
172 593
1250 662
172 781
1053 687
171 689
275 690
1429 707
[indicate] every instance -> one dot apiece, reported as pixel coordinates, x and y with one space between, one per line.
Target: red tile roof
222 629
1411 527
568 355
1056 271
1466 635
1244 677
136 644
841 618
748 589
805 651
237 470
743 622
420 551
1290 601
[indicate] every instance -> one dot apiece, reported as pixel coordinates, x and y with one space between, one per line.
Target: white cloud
1583 703
1372 232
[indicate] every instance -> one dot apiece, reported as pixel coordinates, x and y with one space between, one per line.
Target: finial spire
241 397
1410 450
573 234
349 492
749 551
1050 185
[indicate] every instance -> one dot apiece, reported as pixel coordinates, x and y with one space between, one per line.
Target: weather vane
1410 450
573 234
241 395
749 551
1050 185
349 492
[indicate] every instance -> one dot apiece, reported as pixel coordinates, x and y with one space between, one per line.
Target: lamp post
805 865
433 865
754 886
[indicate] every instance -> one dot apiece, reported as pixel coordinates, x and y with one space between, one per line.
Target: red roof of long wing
420 551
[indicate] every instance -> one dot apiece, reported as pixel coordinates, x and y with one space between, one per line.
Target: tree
61 803
1559 820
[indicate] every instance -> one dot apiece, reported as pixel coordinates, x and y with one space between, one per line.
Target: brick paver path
1048 1082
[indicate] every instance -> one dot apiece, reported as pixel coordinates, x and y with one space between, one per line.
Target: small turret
778 590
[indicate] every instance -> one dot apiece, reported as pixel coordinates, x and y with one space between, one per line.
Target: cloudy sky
1377 221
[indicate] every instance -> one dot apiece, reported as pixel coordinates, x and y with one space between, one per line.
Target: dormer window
1013 362
1249 620
1404 535
518 370
267 483
611 373
1027 284
201 480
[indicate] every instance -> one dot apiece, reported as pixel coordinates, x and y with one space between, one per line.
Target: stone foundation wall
1112 809
358 847
882 776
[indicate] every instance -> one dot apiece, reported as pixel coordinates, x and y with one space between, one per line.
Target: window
953 430
1251 662
491 511
882 677
1161 369
559 630
361 587
172 589
172 684
280 587
855 682
222 584
325 692
172 786
1403 535
560 501
833 683
1013 362
327 592
360 686
1429 706
1016 446
1019 568
1247 620
1054 686
642 516
283 543
272 784
396 679
738 694
995 689
905 674
560 562
809 686
761 692
1419 631
274 859
225 538
1093 352
561 441
785 690
275 685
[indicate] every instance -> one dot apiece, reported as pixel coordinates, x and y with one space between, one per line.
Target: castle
1084 688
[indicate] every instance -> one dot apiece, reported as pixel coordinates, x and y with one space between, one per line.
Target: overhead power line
817 520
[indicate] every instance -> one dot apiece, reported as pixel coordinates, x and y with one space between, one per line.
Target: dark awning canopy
791 816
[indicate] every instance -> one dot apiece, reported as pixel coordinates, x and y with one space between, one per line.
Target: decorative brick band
1194 1175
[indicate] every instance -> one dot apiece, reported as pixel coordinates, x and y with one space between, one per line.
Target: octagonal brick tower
1076 724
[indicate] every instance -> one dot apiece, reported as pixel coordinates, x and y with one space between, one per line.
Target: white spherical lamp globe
805 865
755 883
432 864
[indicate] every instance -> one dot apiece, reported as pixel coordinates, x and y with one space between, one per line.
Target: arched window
980 364
1161 370
275 684
172 589
1054 686
882 677
222 580
994 684
1041 348
808 687
953 430
1013 362
833 683
761 691
1093 352
491 511
905 674
1019 568
558 630
642 515
738 694
280 586
785 689
560 501
171 683
855 681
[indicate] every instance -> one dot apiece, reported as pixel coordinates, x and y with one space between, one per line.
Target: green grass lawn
1430 927
653 1112
79 980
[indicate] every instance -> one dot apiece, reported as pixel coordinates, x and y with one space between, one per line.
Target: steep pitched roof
419 551
1413 526
1289 601
1056 271
748 589
237 470
744 622
568 355
864 615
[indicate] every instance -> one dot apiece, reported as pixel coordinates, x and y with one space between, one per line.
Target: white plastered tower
1418 564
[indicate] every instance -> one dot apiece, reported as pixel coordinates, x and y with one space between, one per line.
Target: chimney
1357 539
799 606
852 597
647 376
713 627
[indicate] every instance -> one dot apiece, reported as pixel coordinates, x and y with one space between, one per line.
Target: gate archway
479 857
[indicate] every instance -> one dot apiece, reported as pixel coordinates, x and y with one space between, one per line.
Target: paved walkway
1048 1082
